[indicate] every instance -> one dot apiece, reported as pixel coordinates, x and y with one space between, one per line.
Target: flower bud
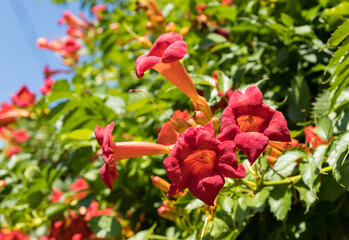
200 118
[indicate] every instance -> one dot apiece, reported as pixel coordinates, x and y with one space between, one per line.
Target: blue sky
21 62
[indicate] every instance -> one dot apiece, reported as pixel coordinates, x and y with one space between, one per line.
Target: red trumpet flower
200 162
250 123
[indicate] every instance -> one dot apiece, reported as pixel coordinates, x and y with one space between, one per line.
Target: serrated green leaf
280 200
339 149
340 34
324 128
286 162
307 195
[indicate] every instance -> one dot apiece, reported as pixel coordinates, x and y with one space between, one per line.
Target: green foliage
279 46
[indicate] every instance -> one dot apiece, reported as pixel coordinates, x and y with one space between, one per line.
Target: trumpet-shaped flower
163 57
8 114
23 97
250 123
20 135
116 151
200 162
47 87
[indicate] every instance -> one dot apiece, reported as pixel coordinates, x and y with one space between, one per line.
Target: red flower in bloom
23 97
98 9
93 211
200 162
56 195
227 2
312 138
70 46
47 87
250 123
11 150
72 227
72 21
79 185
7 234
116 151
163 57
170 130
20 135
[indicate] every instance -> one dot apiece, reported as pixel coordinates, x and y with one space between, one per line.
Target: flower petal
229 125
167 135
206 137
206 189
174 52
277 129
252 144
103 134
252 98
226 163
144 63
163 42
179 180
105 176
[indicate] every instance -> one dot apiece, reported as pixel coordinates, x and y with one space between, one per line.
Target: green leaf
307 195
203 80
217 227
105 226
211 39
340 34
324 128
287 20
280 200
32 172
286 162
144 235
339 149
55 209
117 104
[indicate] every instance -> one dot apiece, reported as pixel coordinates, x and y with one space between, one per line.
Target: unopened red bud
216 123
200 118
160 183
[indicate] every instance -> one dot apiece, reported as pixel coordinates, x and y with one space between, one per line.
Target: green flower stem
293 179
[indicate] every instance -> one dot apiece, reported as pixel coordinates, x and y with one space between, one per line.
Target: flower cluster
198 159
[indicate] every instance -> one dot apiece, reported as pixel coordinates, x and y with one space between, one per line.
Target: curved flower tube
8 114
116 151
200 162
163 57
250 123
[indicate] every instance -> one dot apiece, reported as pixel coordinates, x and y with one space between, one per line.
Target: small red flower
79 185
72 21
312 138
170 130
116 151
250 123
23 97
93 211
98 9
11 150
47 87
70 46
56 195
200 162
20 135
